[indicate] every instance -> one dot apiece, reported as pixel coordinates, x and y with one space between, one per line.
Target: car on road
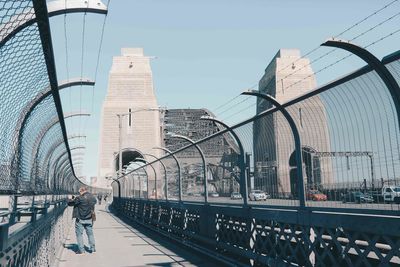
236 195
213 194
357 197
256 195
391 194
316 195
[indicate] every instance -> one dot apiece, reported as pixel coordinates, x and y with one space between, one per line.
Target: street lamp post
120 115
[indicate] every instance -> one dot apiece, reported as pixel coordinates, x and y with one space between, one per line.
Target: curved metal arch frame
165 176
77 160
51 152
203 158
119 187
56 145
53 123
44 131
155 176
133 182
29 109
49 162
296 137
54 8
61 174
43 24
140 182
71 185
61 170
56 182
64 173
41 96
62 164
242 162
375 64
179 169
58 159
65 186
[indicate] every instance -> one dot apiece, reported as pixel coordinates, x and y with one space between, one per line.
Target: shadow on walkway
121 245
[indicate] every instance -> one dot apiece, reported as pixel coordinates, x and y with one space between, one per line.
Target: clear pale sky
206 51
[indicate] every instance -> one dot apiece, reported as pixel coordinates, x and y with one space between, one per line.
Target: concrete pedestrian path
121 245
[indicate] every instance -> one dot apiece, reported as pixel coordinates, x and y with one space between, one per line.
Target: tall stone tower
286 77
130 92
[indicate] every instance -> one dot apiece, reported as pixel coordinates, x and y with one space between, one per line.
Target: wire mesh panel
24 80
274 160
44 154
222 168
31 136
172 176
350 144
51 163
22 74
192 174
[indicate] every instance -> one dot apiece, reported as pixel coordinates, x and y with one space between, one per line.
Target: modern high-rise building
286 77
131 95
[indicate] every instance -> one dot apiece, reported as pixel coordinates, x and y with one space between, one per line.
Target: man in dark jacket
82 212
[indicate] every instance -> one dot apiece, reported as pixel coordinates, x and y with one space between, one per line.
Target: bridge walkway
121 245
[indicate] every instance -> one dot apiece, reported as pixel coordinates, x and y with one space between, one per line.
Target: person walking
99 197
83 213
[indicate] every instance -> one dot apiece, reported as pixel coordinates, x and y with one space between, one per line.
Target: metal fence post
242 164
296 137
203 159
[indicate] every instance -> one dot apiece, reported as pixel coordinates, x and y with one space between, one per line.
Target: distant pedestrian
99 198
105 198
84 215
